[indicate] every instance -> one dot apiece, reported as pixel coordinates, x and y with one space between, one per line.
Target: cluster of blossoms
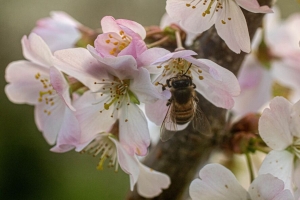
88 89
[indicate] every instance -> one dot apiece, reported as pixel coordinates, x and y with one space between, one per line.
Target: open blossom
116 91
279 127
38 83
275 59
120 37
217 182
149 182
60 31
198 16
217 84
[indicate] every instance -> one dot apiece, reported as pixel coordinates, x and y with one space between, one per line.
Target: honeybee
183 108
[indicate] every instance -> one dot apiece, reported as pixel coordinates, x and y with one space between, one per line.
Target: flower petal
295 115
216 182
150 56
274 124
61 86
157 111
69 133
266 187
36 50
128 163
23 85
280 165
134 26
232 27
150 182
253 6
191 19
91 120
50 124
133 132
220 93
80 64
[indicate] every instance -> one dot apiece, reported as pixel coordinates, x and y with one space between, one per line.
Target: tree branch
181 156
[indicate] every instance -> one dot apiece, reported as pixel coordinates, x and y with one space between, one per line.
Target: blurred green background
28 170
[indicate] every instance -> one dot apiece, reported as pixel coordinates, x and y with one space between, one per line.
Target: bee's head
180 81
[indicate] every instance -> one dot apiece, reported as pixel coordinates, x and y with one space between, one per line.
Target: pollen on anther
188 5
107 41
201 77
199 70
229 18
126 120
223 22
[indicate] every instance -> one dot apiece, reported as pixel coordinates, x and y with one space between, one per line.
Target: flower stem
249 163
261 149
178 41
157 43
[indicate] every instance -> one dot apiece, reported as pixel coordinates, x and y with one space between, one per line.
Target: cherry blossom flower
267 65
218 85
149 182
217 182
116 90
37 82
60 31
120 37
280 130
198 16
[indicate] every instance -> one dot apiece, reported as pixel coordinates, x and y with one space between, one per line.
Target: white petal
23 87
157 111
280 165
235 31
128 163
220 93
91 121
216 182
50 124
36 50
191 19
134 133
274 124
265 187
150 182
69 133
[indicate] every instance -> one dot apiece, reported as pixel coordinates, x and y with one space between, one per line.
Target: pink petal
295 115
80 64
134 133
253 6
134 26
280 165
216 182
23 87
109 24
256 83
235 31
36 50
59 83
274 124
150 182
156 112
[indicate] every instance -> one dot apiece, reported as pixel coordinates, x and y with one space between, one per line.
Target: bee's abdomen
183 114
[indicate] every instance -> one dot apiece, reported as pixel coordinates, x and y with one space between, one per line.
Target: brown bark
183 155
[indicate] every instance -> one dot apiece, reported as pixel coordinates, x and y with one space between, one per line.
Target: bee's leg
169 102
194 86
162 85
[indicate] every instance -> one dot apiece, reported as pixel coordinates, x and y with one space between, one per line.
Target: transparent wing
169 126
200 123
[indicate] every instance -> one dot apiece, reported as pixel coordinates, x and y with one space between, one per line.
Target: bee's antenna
188 69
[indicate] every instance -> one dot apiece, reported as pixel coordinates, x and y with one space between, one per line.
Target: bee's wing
169 126
200 123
